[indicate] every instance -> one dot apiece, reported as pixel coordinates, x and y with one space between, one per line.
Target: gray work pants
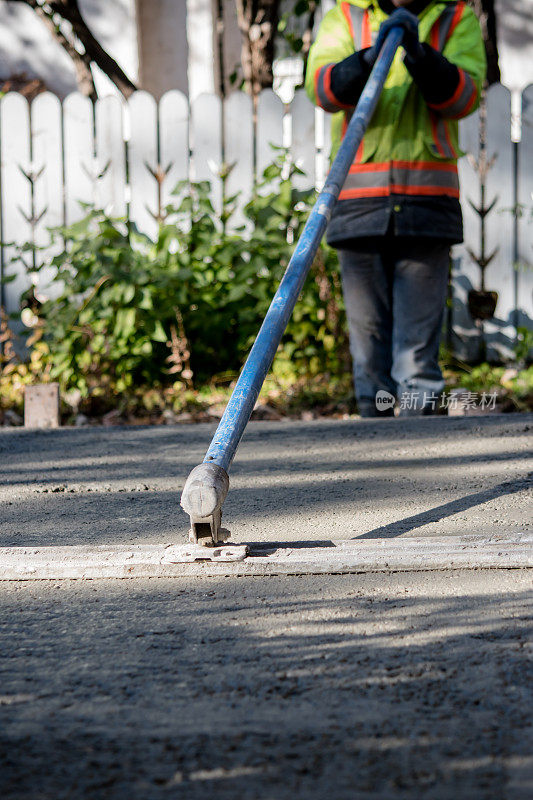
395 294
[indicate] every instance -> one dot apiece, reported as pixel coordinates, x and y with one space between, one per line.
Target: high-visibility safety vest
410 147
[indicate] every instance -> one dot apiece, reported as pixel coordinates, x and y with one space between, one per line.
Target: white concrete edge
342 557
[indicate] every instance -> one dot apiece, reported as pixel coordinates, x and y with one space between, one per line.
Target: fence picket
47 157
173 142
80 164
163 149
465 273
143 163
110 185
269 130
206 141
499 275
525 230
303 139
238 155
16 194
323 145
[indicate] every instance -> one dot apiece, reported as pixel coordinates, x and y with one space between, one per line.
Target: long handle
195 498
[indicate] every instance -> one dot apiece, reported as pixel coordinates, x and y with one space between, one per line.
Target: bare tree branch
307 37
258 23
485 10
91 51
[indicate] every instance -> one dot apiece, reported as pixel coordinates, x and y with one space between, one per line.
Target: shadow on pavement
120 485
448 509
351 687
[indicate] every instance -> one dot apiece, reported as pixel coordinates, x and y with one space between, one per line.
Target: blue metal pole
207 485
242 401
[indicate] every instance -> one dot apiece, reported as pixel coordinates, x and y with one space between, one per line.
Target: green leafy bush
125 311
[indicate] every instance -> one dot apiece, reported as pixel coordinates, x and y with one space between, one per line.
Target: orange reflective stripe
366 33
436 140
327 88
435 35
459 11
450 148
413 178
462 99
363 168
445 25
441 137
386 191
376 191
319 87
470 103
455 96
325 97
346 11
427 166
425 190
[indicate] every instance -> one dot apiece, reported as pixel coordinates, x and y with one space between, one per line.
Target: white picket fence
128 157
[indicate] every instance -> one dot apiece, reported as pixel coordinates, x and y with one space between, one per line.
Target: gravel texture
320 481
351 687
411 686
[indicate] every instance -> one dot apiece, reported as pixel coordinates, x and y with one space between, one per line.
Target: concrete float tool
207 485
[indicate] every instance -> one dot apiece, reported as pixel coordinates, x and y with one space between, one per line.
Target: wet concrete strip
297 558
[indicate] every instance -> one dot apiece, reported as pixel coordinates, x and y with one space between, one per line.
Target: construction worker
398 212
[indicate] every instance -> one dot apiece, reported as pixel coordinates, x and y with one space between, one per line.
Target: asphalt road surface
411 685
320 481
391 686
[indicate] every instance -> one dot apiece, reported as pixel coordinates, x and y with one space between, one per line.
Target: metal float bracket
202 498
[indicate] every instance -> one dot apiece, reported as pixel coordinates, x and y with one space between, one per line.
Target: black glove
349 76
436 77
401 18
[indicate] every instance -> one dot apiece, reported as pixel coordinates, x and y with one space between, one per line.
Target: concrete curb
341 557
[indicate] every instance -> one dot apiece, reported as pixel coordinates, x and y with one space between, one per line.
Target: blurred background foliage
125 313
142 330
